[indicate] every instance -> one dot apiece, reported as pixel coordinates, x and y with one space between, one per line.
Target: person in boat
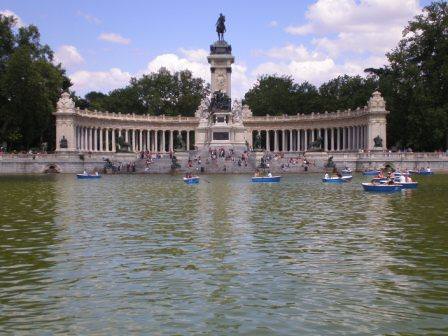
338 174
96 174
428 170
269 174
402 179
326 176
84 172
381 174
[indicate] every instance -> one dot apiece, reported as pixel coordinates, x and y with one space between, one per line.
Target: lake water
147 254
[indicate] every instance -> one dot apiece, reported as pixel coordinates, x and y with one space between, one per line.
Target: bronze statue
378 141
221 27
316 145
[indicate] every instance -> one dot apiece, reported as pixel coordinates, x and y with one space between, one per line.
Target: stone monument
65 130
220 121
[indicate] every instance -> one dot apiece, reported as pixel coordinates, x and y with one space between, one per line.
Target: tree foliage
157 93
414 84
30 85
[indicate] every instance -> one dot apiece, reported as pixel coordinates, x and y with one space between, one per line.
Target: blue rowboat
422 172
382 187
342 179
88 176
380 179
266 179
371 172
191 180
409 185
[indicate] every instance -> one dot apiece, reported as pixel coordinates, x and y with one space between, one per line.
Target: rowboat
422 172
409 185
266 179
191 180
342 179
88 176
347 171
371 172
382 187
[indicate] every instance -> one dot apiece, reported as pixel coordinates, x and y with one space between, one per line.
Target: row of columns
334 138
95 139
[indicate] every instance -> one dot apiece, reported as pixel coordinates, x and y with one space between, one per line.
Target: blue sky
103 43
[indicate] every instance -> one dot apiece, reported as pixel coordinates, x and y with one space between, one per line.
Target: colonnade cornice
98 115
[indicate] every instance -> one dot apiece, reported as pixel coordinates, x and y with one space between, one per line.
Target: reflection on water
149 254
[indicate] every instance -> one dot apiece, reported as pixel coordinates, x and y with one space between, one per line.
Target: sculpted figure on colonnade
378 141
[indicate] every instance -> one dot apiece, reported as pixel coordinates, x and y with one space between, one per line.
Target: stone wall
72 163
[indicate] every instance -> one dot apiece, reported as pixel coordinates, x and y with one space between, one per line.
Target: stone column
353 138
85 139
171 140
147 141
188 140
163 141
344 135
312 135
305 140
325 139
156 141
290 140
338 142
106 132
275 141
134 147
268 141
95 136
114 145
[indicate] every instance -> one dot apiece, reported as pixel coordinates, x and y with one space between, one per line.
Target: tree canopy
415 83
157 93
30 85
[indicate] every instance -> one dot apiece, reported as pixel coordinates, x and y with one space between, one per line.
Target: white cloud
114 38
195 60
68 55
289 52
89 18
7 12
360 26
104 81
273 24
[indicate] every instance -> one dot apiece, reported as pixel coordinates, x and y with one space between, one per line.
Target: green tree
346 92
156 93
415 83
30 85
273 95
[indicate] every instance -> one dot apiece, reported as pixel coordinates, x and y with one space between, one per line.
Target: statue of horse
221 27
316 145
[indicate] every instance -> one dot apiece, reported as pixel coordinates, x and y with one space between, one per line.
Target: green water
151 255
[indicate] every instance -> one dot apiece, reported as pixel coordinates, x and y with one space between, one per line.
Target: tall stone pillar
114 146
275 140
188 140
338 142
305 140
106 133
163 142
156 141
171 140
325 139
268 141
140 139
376 127
290 140
134 147
344 140
65 124
220 60
148 143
